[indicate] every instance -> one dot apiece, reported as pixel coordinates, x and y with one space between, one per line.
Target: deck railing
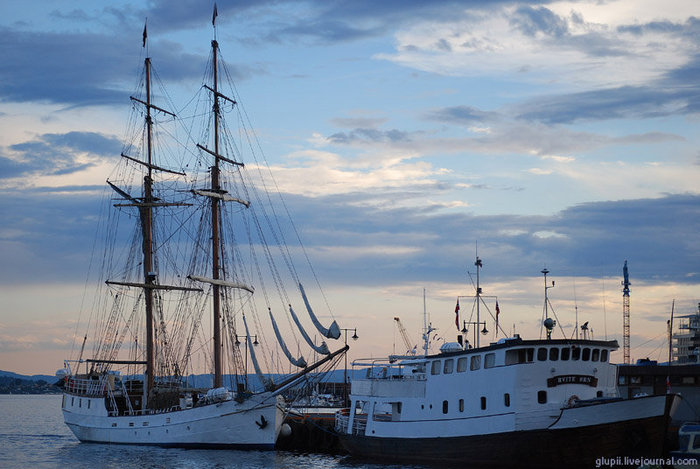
359 423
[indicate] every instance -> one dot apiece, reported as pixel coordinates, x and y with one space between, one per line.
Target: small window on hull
586 354
575 353
461 405
483 403
565 353
475 363
445 406
554 354
462 365
542 397
506 400
449 366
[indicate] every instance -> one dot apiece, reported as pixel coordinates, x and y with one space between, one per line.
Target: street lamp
464 330
345 372
237 343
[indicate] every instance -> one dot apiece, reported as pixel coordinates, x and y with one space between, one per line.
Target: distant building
686 342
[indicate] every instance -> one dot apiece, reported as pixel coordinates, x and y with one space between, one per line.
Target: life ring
572 400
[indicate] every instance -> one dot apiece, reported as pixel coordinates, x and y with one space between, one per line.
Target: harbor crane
410 349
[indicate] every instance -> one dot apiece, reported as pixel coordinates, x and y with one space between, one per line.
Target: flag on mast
213 17
457 314
498 311
145 33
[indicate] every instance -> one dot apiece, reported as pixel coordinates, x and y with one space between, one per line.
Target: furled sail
333 332
322 349
263 379
299 362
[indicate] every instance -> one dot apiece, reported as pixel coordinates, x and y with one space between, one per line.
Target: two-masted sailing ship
206 248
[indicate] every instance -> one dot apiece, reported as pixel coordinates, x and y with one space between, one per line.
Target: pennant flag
498 311
457 314
145 34
213 18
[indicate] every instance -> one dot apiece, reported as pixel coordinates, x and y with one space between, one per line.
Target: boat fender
286 430
262 423
572 400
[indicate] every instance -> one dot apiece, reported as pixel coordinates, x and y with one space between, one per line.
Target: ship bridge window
554 354
462 365
489 360
522 355
586 354
541 354
475 363
435 368
603 355
565 353
575 353
596 355
449 366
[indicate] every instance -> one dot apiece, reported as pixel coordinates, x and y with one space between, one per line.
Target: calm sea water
33 435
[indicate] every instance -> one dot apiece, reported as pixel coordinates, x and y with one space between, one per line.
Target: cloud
590 239
57 154
80 69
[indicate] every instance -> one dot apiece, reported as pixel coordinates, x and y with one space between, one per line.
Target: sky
406 136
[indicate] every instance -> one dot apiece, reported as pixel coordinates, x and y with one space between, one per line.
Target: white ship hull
253 424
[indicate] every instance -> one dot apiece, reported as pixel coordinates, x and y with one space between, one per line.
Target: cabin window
586 354
565 353
542 397
444 407
72 401
554 354
462 365
435 368
696 442
449 366
80 402
596 355
530 354
688 380
604 355
461 407
88 403
483 403
599 394
575 353
475 363
541 354
489 360
506 400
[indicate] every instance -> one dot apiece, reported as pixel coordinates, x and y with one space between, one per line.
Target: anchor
262 423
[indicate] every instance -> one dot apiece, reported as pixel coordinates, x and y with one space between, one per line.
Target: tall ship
198 263
546 402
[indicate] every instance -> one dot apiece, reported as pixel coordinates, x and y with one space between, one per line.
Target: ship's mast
215 239
146 212
478 265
